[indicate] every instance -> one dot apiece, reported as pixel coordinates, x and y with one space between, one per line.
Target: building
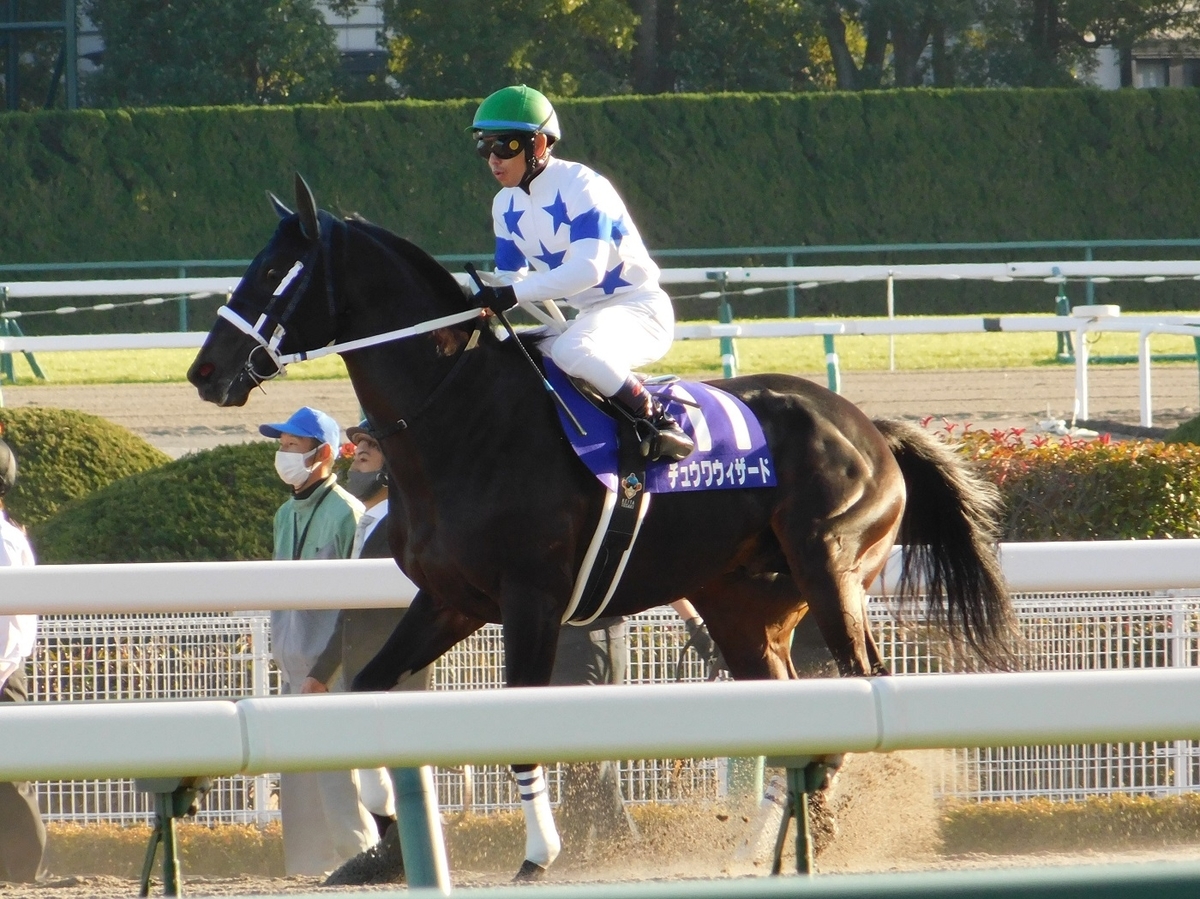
357 39
1155 62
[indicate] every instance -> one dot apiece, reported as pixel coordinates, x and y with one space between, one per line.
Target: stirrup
664 439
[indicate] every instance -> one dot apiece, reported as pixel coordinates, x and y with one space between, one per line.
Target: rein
291 289
299 275
401 424
399 334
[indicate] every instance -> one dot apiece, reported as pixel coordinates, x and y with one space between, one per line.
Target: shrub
1074 489
215 505
1099 824
118 850
63 455
1188 432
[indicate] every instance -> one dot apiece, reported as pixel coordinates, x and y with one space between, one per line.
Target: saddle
731 453
731 449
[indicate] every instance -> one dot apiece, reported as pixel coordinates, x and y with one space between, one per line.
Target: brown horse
491 514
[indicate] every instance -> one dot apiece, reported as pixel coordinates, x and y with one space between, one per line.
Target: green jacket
324 520
320 526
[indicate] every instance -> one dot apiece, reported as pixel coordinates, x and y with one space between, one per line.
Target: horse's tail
950 530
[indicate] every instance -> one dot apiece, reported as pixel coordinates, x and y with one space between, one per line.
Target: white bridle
270 344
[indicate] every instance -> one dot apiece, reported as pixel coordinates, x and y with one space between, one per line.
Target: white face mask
294 468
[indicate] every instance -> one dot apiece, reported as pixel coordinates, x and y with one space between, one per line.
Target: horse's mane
433 271
436 273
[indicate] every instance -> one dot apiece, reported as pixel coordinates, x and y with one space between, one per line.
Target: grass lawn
692 358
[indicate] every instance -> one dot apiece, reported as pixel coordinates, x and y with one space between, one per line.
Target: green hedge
215 505
696 171
63 455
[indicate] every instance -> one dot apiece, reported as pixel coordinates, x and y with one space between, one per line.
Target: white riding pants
605 342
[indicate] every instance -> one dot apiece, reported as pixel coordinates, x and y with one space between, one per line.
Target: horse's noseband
270 328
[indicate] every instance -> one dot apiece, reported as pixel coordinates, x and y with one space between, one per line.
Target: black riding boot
661 435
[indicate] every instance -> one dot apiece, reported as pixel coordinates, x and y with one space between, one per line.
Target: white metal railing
1085 320
805 275
1100 565
814 717
214 655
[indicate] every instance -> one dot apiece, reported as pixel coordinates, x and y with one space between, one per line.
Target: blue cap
305 422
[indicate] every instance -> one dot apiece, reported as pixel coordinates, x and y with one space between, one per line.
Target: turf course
693 358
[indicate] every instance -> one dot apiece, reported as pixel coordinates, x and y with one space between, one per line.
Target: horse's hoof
530 872
382 863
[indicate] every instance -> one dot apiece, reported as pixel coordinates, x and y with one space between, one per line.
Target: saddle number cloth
731 451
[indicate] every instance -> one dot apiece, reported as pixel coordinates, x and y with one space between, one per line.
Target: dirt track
172 417
884 805
892 824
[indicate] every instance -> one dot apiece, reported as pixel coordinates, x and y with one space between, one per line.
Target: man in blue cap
324 822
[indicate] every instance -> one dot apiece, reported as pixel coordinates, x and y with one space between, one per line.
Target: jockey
562 232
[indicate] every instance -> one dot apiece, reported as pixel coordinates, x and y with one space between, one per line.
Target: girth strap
620 523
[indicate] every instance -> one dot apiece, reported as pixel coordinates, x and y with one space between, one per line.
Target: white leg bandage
759 842
541 837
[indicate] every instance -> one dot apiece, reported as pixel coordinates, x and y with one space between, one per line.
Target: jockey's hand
498 299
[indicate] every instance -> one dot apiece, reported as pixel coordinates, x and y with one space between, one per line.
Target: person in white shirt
563 233
357 636
22 833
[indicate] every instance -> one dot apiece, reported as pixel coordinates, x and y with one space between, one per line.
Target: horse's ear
277 204
306 208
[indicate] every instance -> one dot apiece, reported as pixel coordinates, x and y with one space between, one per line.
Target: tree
469 48
36 58
742 45
986 43
916 31
1045 43
212 52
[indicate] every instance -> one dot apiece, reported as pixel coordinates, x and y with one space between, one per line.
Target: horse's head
283 305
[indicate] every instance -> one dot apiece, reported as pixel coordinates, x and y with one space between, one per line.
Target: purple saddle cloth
731 451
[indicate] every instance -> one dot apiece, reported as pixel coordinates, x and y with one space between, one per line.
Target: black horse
491 514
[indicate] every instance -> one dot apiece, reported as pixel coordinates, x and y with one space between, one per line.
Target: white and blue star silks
570 238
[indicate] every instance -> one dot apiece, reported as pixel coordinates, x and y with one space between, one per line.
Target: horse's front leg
424 634
531 624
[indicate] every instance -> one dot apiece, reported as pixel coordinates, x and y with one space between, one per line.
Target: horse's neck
452 407
480 404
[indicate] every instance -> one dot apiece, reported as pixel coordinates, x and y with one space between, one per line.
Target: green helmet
517 108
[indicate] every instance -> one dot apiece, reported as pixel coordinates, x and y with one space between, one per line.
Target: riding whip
470 267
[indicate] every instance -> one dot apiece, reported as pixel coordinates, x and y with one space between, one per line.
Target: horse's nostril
206 369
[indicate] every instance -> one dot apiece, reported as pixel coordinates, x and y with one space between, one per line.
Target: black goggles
504 146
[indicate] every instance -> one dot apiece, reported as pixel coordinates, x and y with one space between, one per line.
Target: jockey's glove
498 299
